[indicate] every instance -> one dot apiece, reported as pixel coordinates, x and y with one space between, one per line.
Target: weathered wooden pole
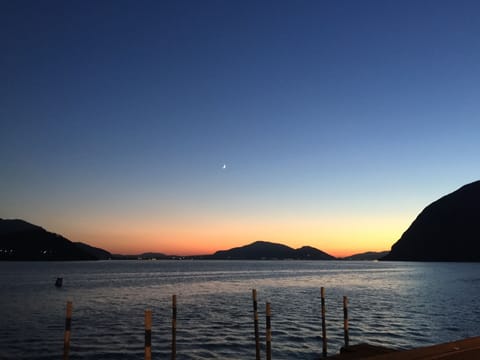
148 334
174 327
324 326
255 323
268 333
68 328
345 321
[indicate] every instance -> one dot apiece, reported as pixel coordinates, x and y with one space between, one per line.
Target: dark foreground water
401 305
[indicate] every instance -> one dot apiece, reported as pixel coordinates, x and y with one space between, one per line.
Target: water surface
396 304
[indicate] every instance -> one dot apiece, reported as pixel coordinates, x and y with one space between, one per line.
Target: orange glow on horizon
338 237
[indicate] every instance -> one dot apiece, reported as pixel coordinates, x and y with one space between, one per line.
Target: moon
224 166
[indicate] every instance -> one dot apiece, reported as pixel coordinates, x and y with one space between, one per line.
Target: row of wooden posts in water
268 328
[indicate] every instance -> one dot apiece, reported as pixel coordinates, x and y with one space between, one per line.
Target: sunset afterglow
190 127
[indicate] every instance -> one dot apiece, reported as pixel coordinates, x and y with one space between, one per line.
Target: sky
338 121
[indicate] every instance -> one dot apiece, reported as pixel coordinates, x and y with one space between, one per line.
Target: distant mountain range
20 240
145 256
446 230
369 256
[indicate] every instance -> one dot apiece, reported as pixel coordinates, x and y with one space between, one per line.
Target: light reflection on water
400 305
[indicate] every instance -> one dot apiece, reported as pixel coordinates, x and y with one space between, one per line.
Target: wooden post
148 334
324 326
174 327
68 328
269 333
255 323
345 321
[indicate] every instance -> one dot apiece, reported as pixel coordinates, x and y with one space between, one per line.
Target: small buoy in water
59 282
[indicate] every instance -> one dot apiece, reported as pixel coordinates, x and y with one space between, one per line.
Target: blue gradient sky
338 120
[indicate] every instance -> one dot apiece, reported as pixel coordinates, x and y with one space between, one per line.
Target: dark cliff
446 230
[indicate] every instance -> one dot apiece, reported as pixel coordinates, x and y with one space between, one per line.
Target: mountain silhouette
20 240
266 250
367 256
446 230
98 253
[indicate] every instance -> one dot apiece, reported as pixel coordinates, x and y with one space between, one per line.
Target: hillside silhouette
20 240
446 230
263 250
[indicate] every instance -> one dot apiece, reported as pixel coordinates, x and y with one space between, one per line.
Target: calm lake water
396 304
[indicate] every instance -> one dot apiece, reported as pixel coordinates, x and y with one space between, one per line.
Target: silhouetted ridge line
20 240
446 230
367 256
266 250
